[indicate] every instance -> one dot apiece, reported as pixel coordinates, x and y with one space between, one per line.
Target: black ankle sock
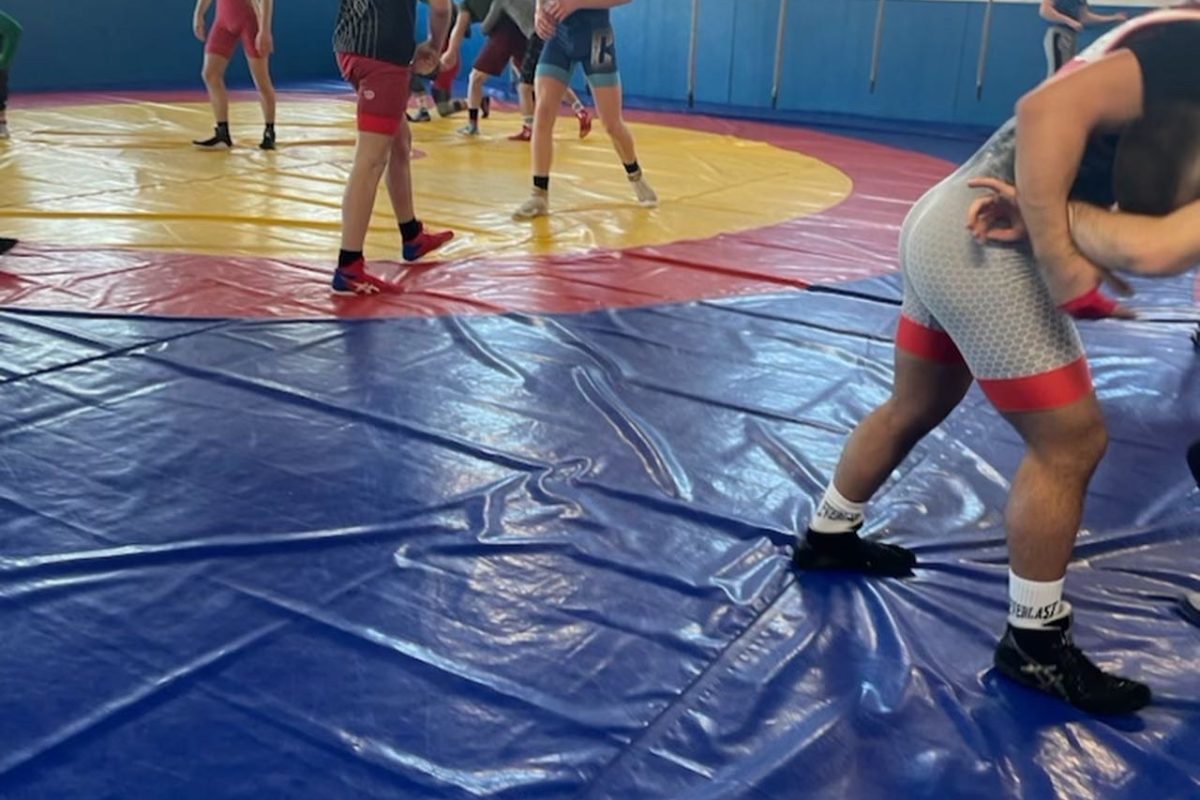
269 128
348 257
473 113
223 130
632 169
542 182
410 230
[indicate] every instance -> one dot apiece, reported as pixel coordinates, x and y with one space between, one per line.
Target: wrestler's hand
449 60
546 25
995 217
199 28
1077 290
265 43
1084 298
425 58
560 9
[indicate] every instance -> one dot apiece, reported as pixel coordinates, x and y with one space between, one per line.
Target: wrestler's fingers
1002 188
977 210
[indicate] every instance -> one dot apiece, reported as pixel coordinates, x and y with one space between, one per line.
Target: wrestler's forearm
462 24
1049 149
202 7
1156 246
1053 126
1091 18
439 22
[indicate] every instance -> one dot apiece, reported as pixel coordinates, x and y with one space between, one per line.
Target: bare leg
370 161
214 80
525 95
608 105
474 101
924 393
418 242
1045 505
260 71
549 97
399 175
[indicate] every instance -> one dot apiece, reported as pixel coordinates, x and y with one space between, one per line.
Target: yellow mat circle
123 175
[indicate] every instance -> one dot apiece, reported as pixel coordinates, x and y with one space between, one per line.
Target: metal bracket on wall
879 15
983 49
780 35
692 48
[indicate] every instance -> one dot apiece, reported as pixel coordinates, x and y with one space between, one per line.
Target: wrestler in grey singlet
990 299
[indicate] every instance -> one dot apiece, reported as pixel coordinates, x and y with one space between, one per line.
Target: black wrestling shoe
485 108
6 245
1047 660
847 552
268 140
220 140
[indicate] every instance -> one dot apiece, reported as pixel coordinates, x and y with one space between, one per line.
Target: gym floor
521 531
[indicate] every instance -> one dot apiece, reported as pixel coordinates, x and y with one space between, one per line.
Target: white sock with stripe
836 514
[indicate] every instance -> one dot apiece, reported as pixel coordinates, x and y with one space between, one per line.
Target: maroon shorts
234 21
504 44
445 78
382 90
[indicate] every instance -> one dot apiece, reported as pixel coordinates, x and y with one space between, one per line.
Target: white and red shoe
353 279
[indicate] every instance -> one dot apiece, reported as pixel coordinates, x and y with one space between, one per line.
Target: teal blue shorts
585 37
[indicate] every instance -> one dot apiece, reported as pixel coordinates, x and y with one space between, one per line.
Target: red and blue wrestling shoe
353 279
425 243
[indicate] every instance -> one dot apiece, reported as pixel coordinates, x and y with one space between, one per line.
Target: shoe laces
1075 662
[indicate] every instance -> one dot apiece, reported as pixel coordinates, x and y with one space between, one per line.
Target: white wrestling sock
836 514
1035 604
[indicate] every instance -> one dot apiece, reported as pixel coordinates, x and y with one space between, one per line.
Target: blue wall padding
927 70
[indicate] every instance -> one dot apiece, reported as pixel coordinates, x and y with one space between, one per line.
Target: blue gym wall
927 72
928 63
99 44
